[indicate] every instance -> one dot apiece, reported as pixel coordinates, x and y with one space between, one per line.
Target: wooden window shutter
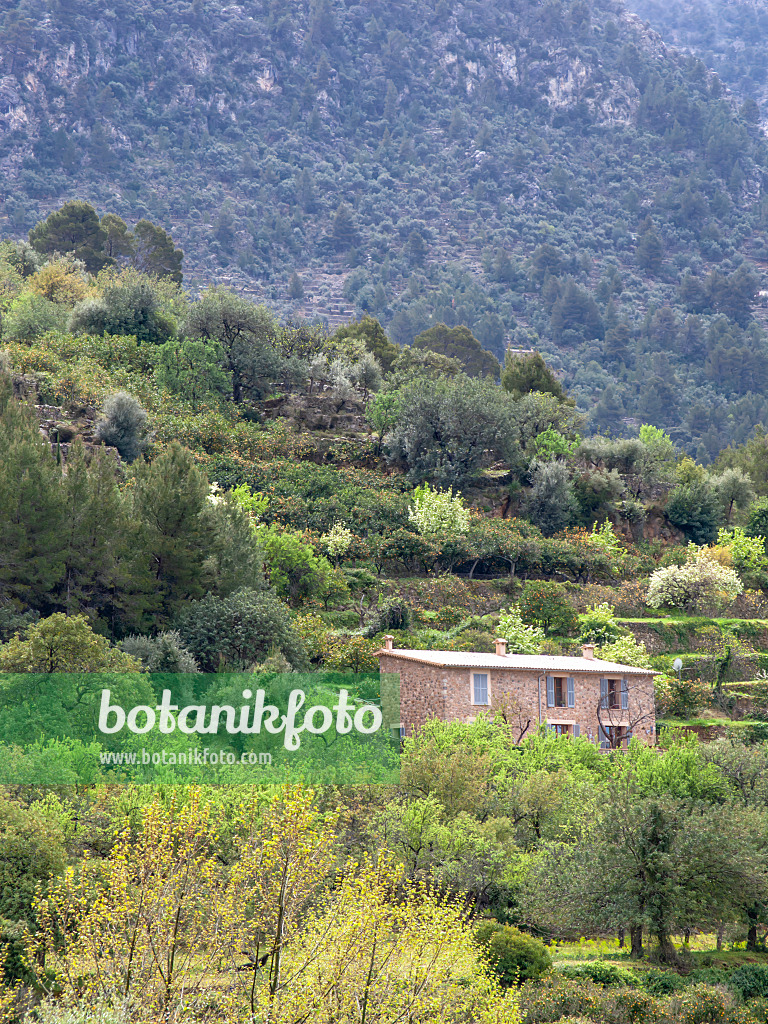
624 695
577 729
571 692
550 691
604 693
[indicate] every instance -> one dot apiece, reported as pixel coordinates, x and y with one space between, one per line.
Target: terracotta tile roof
536 663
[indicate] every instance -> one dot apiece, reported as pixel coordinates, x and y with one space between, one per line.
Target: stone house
605 702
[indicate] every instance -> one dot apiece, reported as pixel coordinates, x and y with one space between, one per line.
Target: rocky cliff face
544 172
130 105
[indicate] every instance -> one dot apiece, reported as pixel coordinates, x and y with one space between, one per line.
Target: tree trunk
636 938
667 951
622 933
752 933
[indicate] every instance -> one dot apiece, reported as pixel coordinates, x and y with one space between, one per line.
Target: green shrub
599 625
521 639
662 983
750 981
393 614
680 698
515 956
708 976
602 972
545 604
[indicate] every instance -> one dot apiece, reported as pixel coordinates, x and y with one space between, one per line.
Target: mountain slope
517 167
728 35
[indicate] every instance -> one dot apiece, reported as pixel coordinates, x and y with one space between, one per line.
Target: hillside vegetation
188 486
523 170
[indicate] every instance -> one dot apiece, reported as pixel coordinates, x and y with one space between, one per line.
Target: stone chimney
588 652
388 642
501 648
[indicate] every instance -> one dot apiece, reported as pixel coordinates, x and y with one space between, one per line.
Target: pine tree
119 245
156 252
31 560
93 533
169 497
74 228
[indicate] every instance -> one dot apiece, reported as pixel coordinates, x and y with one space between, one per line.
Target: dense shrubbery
699 583
514 956
546 605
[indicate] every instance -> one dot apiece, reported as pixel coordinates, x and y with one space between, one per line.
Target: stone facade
447 692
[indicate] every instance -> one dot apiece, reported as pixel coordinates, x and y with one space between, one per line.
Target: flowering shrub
553 998
689 586
338 541
701 1004
632 598
521 639
436 513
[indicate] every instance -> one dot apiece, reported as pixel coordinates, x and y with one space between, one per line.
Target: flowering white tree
438 513
688 586
337 541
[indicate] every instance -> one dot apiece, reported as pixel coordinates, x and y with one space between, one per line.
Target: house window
614 694
561 692
480 688
614 737
564 728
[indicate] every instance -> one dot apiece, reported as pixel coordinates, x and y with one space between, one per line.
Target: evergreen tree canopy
459 343
74 228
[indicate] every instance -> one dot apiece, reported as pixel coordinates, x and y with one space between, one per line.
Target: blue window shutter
480 685
571 692
550 728
577 729
550 691
624 694
602 737
604 693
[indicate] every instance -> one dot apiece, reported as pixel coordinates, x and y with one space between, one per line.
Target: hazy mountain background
554 174
728 35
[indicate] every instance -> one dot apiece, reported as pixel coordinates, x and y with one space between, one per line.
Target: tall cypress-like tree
93 533
169 497
31 508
